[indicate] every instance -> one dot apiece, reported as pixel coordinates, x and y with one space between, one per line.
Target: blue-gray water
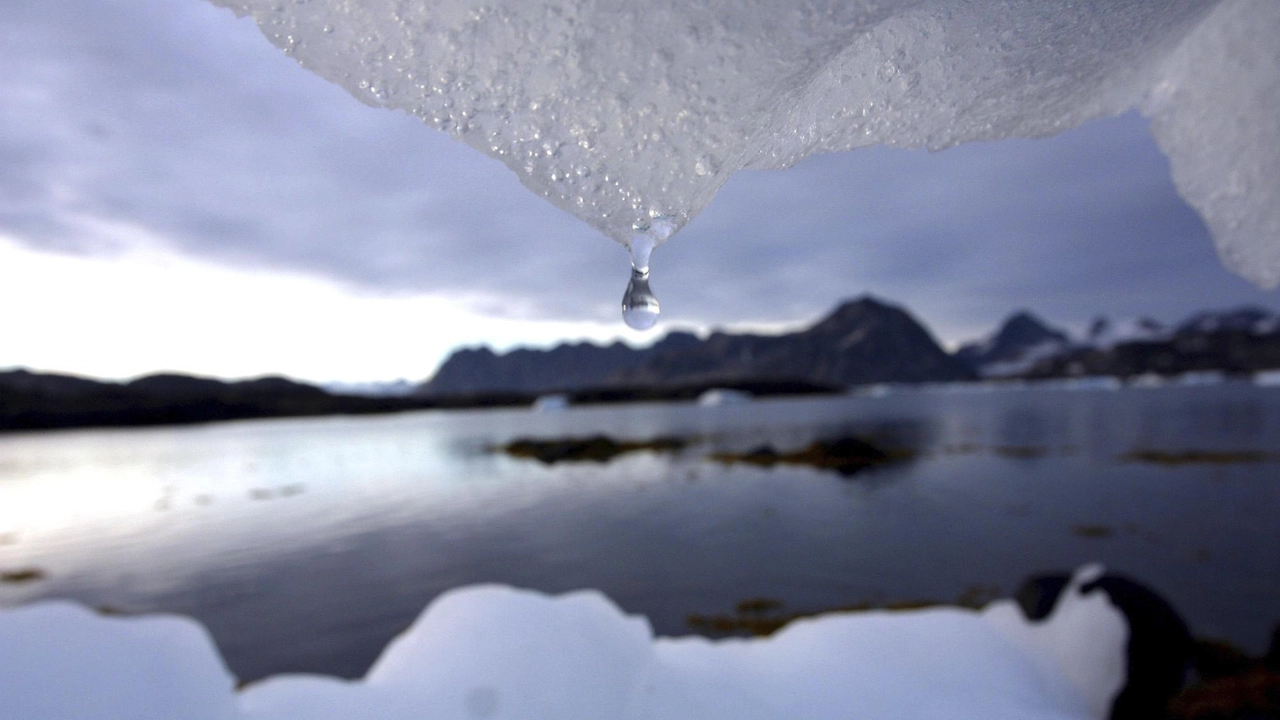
305 545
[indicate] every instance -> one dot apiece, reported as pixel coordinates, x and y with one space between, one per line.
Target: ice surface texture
496 652
623 111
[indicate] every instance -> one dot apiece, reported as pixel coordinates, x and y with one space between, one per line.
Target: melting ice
620 111
639 305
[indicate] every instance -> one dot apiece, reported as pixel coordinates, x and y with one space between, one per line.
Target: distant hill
1237 341
863 341
34 401
1019 342
867 341
563 367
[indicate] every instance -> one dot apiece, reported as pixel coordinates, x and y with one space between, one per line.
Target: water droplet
639 306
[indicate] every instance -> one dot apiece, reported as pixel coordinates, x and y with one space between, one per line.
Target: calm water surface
305 545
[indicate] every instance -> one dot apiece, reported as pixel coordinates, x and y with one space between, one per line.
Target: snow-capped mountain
1235 341
1020 342
1105 333
1254 320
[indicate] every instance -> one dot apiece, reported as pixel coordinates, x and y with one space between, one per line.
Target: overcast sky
177 194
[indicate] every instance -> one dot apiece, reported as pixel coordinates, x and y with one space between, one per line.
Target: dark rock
1037 595
1159 649
847 456
597 448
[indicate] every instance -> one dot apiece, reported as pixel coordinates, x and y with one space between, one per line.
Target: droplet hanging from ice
639 306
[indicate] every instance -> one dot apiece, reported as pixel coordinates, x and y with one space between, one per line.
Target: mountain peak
1242 319
1021 338
855 312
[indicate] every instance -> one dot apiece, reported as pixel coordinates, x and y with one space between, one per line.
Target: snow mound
631 114
496 652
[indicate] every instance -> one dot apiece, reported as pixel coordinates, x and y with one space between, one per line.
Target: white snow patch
551 403
495 652
631 114
1267 378
1025 360
61 661
715 397
1126 331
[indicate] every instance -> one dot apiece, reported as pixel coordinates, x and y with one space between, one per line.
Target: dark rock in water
1159 649
847 456
597 448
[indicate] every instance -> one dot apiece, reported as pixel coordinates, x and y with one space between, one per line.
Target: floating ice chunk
715 397
1267 378
623 112
551 403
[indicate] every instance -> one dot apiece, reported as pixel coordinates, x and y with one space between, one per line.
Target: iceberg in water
631 114
496 652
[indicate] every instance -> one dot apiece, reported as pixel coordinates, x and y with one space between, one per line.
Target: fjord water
305 545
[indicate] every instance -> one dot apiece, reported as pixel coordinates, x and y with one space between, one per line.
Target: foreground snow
496 652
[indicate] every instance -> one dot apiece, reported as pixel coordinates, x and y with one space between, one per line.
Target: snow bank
61 661
496 652
631 114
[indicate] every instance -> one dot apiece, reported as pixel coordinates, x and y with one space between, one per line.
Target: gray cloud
178 118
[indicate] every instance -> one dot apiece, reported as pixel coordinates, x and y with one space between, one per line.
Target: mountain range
867 341
861 342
